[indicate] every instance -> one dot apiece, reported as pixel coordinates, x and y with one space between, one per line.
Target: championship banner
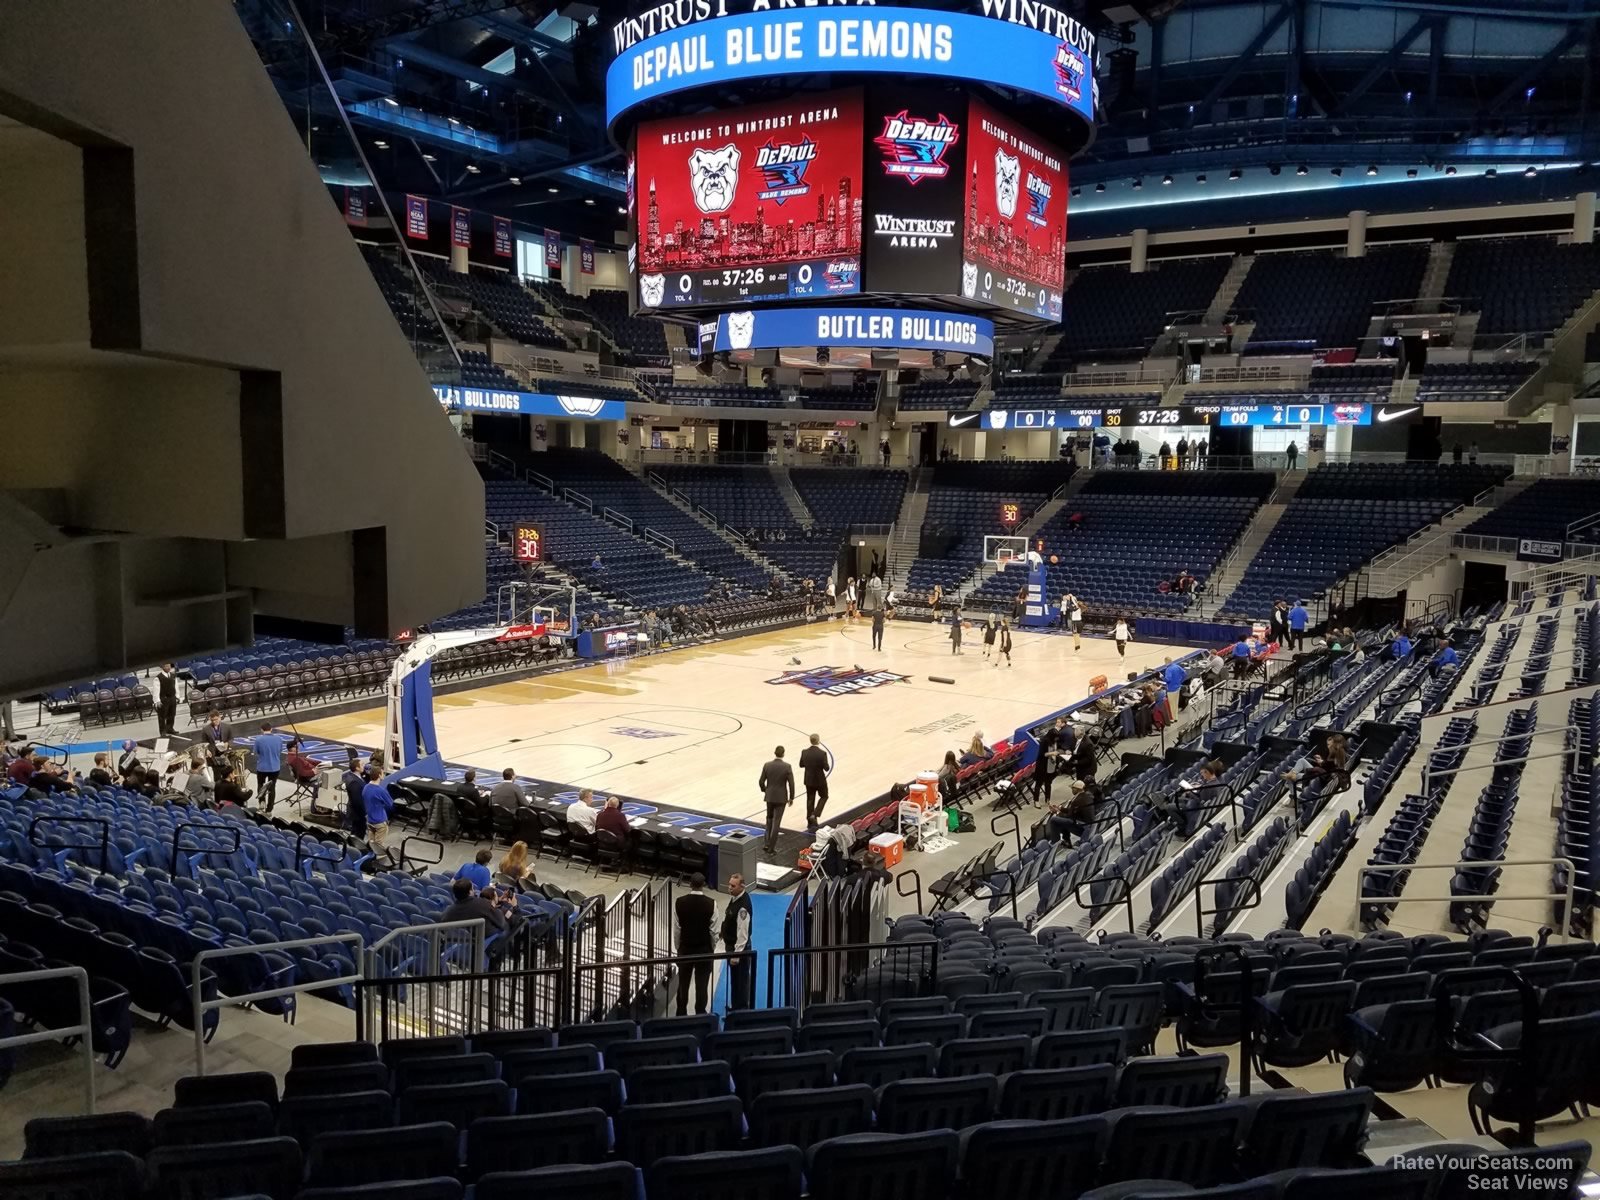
502 237
585 256
460 226
552 248
355 206
417 218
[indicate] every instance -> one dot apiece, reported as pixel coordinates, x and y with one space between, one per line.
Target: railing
661 539
574 496
201 1005
540 480
1123 900
200 851
422 951
1409 897
618 518
103 844
801 975
83 1030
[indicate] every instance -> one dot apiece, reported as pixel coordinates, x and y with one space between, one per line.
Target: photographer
493 905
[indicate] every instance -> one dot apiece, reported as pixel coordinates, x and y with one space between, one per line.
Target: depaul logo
1071 69
783 169
838 681
841 276
914 147
1038 199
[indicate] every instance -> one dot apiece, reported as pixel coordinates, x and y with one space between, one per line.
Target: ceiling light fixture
588 199
553 190
516 181
1099 187
429 158
1372 170
1200 178
1166 180
1137 184
1235 175
1337 172
381 144
472 168
1449 170
1302 169
1530 172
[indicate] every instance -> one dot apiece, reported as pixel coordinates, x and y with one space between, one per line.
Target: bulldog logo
969 279
651 289
741 329
713 176
1007 172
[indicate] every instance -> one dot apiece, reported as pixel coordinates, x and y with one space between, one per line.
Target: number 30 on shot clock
1010 514
528 544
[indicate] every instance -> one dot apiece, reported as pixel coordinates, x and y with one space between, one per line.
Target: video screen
916 159
758 203
1014 247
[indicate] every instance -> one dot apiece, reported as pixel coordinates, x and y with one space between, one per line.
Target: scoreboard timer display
1163 416
527 543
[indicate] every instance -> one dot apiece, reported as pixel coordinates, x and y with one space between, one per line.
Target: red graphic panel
1014 249
767 184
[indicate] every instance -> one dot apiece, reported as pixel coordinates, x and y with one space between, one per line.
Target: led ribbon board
908 43
540 404
897 329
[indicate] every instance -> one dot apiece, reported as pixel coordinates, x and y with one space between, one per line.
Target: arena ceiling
497 105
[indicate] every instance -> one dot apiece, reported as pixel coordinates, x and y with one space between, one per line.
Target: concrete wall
195 343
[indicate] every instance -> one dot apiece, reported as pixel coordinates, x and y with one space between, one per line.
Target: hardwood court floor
692 727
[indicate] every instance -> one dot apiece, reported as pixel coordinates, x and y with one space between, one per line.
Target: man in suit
736 922
877 628
506 794
814 770
695 911
777 789
167 701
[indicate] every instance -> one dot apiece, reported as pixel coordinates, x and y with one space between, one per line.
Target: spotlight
1530 172
1337 172
552 190
381 144
1274 169
429 158
1076 192
515 180
1449 170
1302 169
1371 170
1099 187
1137 184
1235 174
588 199
1411 172
472 168
1200 178
622 211
1490 173
1166 180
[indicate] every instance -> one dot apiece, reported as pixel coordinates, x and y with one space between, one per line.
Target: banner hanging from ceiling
417 218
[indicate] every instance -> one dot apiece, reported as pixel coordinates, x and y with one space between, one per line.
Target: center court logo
914 147
838 681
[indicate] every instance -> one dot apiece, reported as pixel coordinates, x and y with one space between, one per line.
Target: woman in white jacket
1122 635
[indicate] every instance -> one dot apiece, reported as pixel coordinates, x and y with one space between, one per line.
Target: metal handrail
201 1005
1429 774
103 845
1124 901
301 857
912 874
1201 912
1015 829
620 518
84 1029
177 833
574 496
1475 865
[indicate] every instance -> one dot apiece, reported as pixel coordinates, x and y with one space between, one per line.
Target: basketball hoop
1003 557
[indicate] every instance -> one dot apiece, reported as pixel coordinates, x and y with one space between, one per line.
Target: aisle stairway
907 537
797 507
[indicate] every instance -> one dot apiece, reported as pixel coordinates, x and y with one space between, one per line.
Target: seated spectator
581 814
612 819
514 866
976 751
229 794
100 774
1446 659
506 794
1069 817
47 777
20 768
303 768
467 906
1402 647
200 786
477 872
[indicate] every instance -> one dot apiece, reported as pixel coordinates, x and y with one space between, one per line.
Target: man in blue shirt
1173 676
1402 647
379 804
1447 658
1241 657
268 747
1299 618
477 871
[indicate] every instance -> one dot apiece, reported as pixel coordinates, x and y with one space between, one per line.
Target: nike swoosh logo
956 422
1391 414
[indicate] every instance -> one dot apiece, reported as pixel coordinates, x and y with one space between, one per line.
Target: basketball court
691 728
